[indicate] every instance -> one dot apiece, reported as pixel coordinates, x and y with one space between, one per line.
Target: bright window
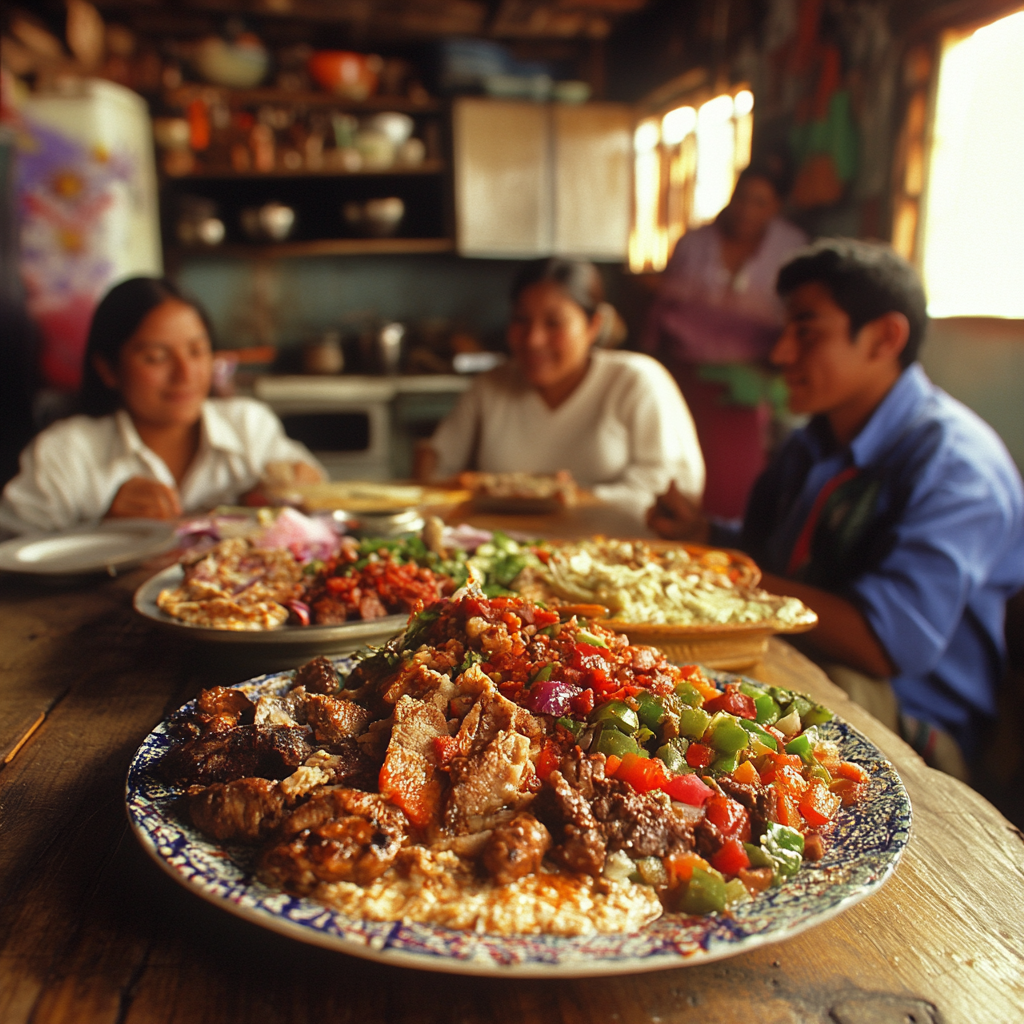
972 251
685 168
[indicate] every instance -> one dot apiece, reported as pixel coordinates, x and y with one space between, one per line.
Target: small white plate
109 547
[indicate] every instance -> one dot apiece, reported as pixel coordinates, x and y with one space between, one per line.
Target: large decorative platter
312 639
869 839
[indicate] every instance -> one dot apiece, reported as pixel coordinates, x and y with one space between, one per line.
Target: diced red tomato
775 763
849 770
586 656
688 789
642 773
679 866
582 703
848 790
611 765
707 689
819 805
787 811
548 760
731 858
698 755
729 816
736 703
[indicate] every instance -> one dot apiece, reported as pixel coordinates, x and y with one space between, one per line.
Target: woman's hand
140 498
675 517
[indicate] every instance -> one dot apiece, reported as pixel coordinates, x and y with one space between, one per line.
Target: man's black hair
866 280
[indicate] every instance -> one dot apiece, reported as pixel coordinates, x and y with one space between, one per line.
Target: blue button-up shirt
926 538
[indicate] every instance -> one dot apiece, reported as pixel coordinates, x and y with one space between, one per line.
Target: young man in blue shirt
896 513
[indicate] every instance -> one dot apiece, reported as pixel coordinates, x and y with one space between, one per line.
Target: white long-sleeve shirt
625 432
71 472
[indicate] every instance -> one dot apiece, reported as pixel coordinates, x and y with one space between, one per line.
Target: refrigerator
87 206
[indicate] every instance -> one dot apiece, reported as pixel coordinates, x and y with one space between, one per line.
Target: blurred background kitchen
349 187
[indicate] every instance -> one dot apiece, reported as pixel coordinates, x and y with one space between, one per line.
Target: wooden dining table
92 931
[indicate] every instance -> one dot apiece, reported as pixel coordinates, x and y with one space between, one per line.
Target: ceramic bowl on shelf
375 218
241 64
396 126
271 222
352 76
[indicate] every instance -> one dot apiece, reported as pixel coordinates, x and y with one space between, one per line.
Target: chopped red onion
300 610
551 697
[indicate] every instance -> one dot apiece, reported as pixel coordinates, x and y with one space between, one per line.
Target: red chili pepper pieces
731 858
698 755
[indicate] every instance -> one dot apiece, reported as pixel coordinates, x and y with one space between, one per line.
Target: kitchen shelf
427 167
184 94
318 247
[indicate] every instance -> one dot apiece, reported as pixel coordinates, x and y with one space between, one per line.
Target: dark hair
116 319
866 280
773 169
579 279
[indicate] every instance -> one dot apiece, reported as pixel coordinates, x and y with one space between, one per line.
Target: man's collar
891 416
888 420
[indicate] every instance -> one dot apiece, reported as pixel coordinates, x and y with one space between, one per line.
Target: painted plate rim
802 904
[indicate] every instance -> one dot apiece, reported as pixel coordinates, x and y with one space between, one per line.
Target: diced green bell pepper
818 715
583 637
735 892
727 735
802 705
693 723
819 771
689 694
803 745
673 759
785 848
617 713
650 710
543 674
768 710
762 734
609 740
726 764
576 728
704 894
652 871
750 689
643 735
757 855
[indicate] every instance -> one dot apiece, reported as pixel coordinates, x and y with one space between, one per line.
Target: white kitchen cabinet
534 179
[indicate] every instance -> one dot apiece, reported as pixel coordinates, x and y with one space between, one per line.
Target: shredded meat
245 810
516 848
488 781
222 757
589 815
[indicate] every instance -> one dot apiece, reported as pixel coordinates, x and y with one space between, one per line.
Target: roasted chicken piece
338 835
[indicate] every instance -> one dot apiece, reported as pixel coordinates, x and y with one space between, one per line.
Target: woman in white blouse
150 442
615 420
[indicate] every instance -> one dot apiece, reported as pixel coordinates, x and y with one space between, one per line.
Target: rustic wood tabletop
92 931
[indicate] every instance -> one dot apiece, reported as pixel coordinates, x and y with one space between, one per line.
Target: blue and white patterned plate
867 844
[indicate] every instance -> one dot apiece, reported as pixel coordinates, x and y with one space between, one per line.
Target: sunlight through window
973 237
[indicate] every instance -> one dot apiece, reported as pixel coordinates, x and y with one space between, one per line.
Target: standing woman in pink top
713 323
